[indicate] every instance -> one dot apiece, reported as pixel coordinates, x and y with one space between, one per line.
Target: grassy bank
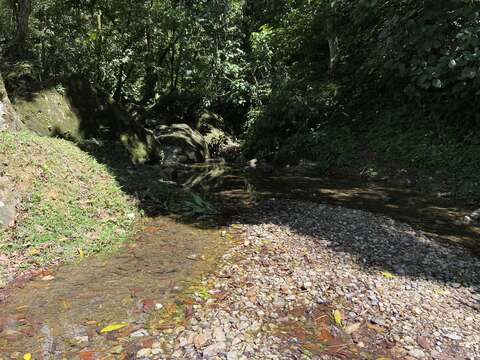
69 205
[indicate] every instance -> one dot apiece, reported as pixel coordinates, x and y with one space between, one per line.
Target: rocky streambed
317 281
287 279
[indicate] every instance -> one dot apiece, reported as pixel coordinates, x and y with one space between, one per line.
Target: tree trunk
333 44
21 11
8 117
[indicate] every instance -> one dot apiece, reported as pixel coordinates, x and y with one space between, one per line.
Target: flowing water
52 316
60 314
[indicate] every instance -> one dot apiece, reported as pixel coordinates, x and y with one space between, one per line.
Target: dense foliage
312 79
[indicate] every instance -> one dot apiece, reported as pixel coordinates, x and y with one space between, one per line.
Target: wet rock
473 218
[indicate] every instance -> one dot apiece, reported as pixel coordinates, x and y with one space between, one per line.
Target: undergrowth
416 144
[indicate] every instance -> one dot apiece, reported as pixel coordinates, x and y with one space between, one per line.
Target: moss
70 205
49 113
139 150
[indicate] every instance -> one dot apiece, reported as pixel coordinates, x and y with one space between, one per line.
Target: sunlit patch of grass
69 204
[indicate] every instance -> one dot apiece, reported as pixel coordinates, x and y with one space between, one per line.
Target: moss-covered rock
49 112
180 143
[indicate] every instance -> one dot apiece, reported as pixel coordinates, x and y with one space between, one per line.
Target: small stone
378 321
81 339
158 306
143 353
139 333
219 335
199 341
213 350
117 350
306 285
453 337
232 355
156 351
424 342
416 353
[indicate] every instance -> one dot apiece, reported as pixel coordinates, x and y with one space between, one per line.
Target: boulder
8 117
208 119
473 218
180 143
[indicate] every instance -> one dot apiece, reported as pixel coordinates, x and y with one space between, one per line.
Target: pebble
453 337
416 353
380 274
139 333
143 353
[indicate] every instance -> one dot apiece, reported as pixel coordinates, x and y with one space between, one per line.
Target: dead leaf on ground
350 329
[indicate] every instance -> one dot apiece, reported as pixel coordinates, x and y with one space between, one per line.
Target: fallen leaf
27 356
352 328
88 355
113 327
440 292
376 328
388 275
337 316
48 278
33 251
325 335
81 253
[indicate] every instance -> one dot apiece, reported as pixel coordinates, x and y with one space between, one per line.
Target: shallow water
51 318
61 316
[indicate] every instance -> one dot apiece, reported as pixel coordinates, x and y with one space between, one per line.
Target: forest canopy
294 79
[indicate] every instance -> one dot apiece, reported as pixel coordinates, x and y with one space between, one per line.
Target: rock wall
8 117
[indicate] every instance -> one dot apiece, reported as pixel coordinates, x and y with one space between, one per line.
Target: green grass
70 205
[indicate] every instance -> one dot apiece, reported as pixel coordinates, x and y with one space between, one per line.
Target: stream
61 314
